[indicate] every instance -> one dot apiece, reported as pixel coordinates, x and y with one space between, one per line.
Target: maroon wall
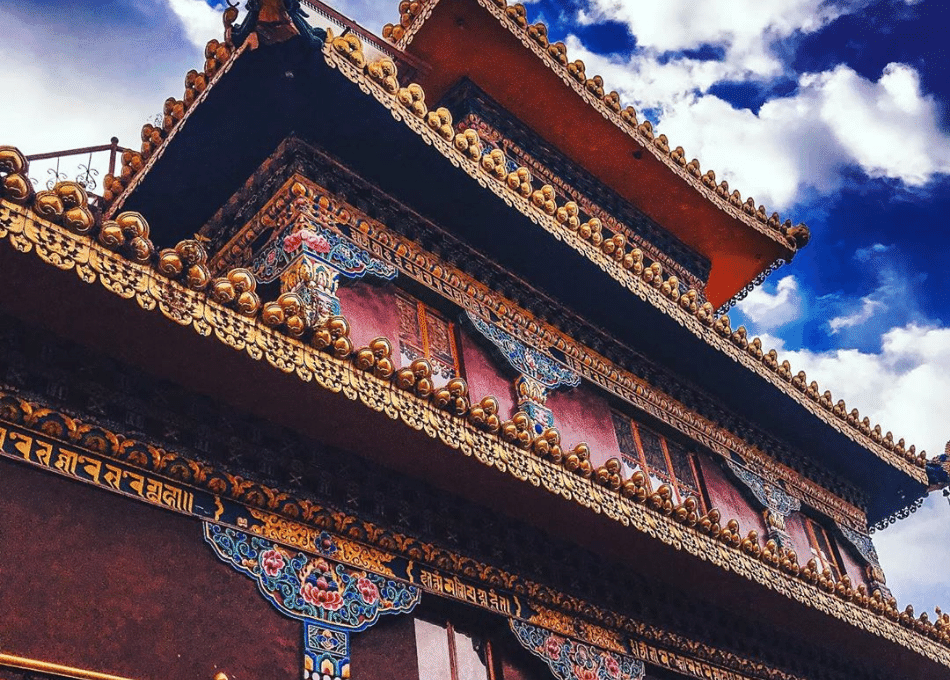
583 415
385 651
850 562
516 668
486 376
96 581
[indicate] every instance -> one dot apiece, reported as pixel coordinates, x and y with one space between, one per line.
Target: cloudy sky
835 112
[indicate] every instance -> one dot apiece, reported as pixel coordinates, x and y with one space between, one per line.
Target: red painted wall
385 651
581 414
730 502
96 581
851 563
486 376
371 311
519 666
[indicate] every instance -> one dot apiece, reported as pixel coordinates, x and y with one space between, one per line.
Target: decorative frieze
865 546
539 374
308 254
777 503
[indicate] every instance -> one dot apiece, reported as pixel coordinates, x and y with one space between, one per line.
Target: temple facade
409 357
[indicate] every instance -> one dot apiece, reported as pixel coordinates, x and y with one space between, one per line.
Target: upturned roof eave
493 45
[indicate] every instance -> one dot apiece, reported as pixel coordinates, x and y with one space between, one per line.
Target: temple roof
227 125
493 45
404 148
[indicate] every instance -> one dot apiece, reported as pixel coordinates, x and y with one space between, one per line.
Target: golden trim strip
23 663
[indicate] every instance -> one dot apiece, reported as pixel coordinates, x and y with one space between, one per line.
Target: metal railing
87 174
414 64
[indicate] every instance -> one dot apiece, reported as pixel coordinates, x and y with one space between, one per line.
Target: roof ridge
534 36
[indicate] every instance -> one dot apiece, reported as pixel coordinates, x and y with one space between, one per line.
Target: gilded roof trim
270 333
534 37
474 296
408 105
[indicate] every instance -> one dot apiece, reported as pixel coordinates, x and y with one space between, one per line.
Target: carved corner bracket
331 599
572 660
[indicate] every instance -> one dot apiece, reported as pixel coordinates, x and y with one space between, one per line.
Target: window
661 460
424 333
444 653
822 549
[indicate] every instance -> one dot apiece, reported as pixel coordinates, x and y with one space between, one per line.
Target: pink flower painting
368 590
272 562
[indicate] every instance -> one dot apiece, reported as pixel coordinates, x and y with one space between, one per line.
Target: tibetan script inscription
65 461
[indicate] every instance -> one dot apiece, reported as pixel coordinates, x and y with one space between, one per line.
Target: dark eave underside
287 89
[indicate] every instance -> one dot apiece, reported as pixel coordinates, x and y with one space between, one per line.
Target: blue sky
835 113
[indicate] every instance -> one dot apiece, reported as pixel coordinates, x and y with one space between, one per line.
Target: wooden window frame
836 567
422 309
453 651
698 488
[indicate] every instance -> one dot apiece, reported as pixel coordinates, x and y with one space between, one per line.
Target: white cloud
914 555
746 29
805 141
66 98
905 386
772 310
646 81
371 14
888 128
867 310
859 322
865 254
200 21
